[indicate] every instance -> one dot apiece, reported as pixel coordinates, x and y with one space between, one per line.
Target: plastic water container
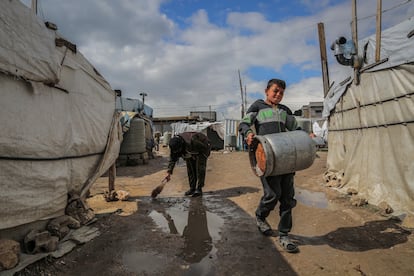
134 138
281 153
167 138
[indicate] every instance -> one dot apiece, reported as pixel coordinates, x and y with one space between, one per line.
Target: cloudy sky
186 54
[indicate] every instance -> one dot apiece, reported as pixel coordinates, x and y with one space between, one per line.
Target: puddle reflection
199 228
309 198
142 262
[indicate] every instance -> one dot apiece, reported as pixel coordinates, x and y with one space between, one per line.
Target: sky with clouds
186 54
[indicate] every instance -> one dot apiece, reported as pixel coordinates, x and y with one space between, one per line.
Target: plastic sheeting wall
57 138
371 138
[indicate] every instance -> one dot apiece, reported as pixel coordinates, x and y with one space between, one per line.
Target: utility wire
385 10
178 107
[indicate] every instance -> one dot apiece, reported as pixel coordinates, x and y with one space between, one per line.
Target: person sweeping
194 148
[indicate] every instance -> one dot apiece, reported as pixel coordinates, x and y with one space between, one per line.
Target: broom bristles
157 191
159 188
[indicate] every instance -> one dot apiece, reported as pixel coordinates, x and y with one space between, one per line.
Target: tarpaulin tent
59 127
371 124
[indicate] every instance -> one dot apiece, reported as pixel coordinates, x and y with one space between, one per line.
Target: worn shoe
190 192
288 245
197 193
264 226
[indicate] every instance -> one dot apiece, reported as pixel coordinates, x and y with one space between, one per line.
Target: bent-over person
194 148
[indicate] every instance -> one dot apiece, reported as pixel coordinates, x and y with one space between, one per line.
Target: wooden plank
112 176
355 37
378 32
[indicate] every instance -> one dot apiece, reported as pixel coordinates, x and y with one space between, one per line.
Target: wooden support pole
378 32
324 59
34 6
112 176
242 97
355 37
354 25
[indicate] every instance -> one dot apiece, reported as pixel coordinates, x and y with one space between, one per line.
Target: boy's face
274 94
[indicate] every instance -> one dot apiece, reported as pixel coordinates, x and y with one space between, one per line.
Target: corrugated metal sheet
231 128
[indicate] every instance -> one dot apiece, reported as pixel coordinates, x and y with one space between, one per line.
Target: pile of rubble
59 237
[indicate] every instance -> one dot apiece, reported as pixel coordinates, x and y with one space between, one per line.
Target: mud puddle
312 199
190 220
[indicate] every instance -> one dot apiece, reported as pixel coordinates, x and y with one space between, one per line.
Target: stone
9 254
122 195
60 226
408 222
40 242
79 210
84 234
385 207
358 201
351 191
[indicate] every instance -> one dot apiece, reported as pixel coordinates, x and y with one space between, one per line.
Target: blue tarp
133 105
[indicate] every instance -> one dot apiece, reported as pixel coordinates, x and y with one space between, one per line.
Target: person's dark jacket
194 144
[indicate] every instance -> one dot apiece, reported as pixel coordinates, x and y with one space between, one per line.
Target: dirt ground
216 234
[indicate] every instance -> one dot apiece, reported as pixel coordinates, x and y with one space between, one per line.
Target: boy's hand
249 138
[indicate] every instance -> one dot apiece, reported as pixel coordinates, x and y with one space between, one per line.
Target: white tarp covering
371 126
54 139
27 48
218 127
396 47
321 131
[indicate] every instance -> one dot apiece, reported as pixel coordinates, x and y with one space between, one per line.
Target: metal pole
143 94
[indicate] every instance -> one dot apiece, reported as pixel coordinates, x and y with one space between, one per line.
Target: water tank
148 130
281 153
134 138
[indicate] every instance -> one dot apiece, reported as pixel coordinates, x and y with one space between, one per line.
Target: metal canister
281 153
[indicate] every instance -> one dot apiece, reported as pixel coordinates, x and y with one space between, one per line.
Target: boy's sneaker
263 226
288 245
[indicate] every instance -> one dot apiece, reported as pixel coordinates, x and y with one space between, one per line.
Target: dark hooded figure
194 148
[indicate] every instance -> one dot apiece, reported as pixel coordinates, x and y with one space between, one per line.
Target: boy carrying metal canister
269 116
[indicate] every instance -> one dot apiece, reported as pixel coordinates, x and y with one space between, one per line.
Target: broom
159 188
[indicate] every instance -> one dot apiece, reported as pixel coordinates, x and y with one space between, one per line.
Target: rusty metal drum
281 153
